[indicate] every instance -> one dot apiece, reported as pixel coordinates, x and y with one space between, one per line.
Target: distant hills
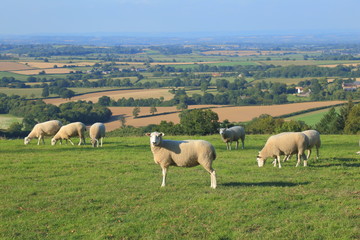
180 38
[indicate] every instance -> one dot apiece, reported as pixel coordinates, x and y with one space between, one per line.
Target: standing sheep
40 130
70 130
229 135
96 132
188 153
314 140
284 144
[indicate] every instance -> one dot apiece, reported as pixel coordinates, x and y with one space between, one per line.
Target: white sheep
70 130
284 144
96 132
229 135
314 140
40 130
188 153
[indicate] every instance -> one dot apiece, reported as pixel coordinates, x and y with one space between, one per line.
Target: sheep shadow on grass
263 184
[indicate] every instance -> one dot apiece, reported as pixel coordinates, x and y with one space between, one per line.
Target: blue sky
173 16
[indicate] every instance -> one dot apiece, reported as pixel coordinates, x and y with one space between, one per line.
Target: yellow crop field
134 93
13 66
59 65
47 71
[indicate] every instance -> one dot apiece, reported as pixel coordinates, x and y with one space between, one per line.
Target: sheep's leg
213 179
242 141
164 172
298 160
278 160
237 144
101 141
317 153
274 162
70 141
305 159
227 145
43 140
309 153
230 146
286 158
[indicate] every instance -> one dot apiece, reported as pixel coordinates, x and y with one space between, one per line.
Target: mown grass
72 192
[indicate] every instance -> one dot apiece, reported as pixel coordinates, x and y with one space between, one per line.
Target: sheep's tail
213 154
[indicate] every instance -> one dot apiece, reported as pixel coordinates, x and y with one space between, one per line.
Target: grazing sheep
188 153
314 140
70 130
96 132
284 144
40 130
229 135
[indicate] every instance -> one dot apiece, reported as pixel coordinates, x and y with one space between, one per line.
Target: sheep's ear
162 134
148 134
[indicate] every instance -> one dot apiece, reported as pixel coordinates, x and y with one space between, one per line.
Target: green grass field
78 192
312 118
7 119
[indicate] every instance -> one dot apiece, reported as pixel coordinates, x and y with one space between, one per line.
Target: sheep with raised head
70 130
229 135
187 153
284 144
40 130
97 132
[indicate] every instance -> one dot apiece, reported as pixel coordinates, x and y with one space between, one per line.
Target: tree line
206 121
35 111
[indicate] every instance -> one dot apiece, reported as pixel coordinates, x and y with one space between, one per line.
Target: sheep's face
222 131
26 140
260 160
53 141
155 138
94 142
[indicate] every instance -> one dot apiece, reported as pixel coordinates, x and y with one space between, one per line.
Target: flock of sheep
60 132
190 153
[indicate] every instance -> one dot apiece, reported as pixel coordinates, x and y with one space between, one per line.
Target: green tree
329 123
199 121
136 112
352 124
104 101
45 92
153 110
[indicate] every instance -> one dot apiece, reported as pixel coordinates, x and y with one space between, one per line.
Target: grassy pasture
312 118
72 192
7 119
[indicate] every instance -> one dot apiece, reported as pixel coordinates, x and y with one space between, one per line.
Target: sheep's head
155 137
260 160
222 131
26 140
53 141
94 142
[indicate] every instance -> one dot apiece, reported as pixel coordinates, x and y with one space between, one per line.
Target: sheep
284 144
40 130
96 132
70 130
229 135
314 140
187 153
